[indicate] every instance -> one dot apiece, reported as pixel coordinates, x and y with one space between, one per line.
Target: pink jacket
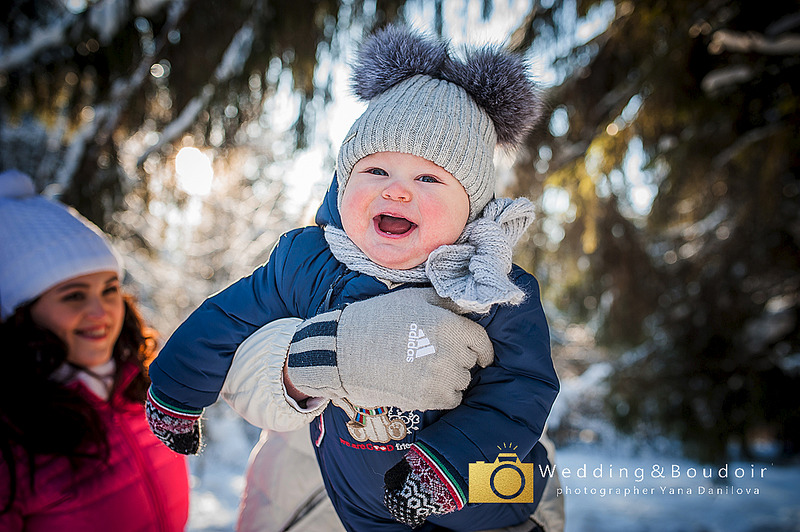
142 487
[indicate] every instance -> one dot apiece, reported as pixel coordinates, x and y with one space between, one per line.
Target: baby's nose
397 191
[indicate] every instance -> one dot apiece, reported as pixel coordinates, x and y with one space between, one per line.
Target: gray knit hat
424 102
43 243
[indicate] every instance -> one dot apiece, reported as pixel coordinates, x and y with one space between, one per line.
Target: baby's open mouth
393 225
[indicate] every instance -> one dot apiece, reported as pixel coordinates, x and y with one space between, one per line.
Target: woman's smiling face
398 207
86 313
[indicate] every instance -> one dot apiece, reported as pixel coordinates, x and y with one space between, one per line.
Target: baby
400 296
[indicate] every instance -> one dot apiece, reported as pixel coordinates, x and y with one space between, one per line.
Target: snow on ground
607 487
217 474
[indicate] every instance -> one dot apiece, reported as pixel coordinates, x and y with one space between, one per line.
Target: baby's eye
377 171
428 179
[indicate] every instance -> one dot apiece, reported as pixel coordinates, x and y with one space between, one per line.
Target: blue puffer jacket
505 407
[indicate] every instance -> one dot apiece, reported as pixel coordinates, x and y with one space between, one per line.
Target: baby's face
398 207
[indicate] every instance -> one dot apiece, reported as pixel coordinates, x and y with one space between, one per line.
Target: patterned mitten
416 488
403 349
179 429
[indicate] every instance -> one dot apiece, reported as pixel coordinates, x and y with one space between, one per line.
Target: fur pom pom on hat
451 111
43 243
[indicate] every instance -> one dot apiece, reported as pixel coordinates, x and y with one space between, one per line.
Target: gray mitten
403 349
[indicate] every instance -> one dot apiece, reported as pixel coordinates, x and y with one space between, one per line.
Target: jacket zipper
130 438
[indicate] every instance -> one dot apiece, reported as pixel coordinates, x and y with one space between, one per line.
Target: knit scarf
472 272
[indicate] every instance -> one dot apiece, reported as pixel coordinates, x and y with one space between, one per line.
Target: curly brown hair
34 407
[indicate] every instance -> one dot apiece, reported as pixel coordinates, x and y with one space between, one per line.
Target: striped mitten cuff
179 429
312 361
417 487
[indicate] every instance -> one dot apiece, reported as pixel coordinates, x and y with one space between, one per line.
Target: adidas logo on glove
418 344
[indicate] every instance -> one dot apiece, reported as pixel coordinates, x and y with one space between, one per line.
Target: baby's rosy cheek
441 213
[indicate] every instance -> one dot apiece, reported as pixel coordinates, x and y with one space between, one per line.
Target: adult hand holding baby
405 349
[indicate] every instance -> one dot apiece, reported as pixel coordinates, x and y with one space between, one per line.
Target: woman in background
76 450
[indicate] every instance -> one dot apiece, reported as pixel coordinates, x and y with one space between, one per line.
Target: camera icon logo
507 479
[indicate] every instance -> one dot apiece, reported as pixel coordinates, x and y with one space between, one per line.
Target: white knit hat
43 243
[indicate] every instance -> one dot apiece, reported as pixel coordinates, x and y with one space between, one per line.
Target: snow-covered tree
668 178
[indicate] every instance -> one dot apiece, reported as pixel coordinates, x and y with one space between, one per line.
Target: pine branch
39 40
230 65
107 114
751 42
